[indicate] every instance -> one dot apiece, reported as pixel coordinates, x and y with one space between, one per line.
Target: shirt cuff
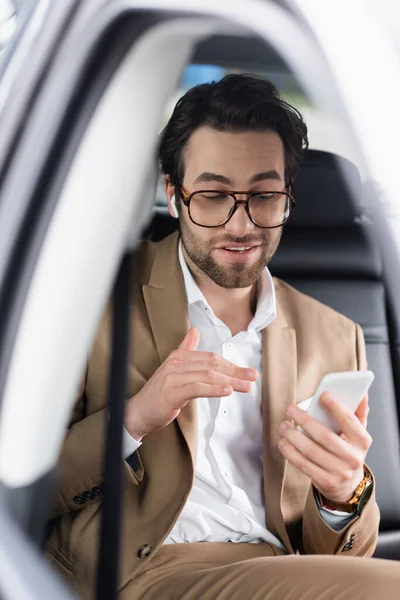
336 519
129 444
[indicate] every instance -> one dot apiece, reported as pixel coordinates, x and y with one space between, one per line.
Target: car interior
332 249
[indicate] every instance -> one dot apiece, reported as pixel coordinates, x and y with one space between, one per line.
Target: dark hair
236 103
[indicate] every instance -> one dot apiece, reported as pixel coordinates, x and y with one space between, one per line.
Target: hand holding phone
348 387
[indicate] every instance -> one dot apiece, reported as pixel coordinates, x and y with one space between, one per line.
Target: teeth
238 249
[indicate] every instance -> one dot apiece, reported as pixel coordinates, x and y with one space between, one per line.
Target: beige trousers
228 571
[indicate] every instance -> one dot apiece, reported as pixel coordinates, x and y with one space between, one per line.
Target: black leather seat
328 251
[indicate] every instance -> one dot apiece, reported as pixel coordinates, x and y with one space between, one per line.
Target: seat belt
110 529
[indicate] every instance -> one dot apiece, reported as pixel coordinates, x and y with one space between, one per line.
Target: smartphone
349 387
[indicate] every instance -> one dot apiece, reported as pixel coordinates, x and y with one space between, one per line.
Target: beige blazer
306 341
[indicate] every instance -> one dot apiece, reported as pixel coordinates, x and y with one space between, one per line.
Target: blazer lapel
279 374
166 306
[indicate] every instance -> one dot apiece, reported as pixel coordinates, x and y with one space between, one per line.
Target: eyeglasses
213 208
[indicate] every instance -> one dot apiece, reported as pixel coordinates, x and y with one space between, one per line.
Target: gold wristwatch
357 501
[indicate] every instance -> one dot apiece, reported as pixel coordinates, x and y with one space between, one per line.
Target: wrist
331 505
132 423
135 434
356 502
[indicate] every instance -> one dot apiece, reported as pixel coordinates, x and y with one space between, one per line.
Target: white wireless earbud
174 209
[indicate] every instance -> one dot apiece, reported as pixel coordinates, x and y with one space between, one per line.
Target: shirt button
229 345
225 412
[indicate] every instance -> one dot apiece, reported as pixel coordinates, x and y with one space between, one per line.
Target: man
222 491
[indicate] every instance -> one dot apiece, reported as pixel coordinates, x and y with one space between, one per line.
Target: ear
171 197
172 207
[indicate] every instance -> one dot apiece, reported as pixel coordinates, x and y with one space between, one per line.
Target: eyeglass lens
212 208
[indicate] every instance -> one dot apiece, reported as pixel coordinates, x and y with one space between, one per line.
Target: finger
326 438
306 466
191 340
181 364
208 376
216 363
350 426
198 389
311 450
362 411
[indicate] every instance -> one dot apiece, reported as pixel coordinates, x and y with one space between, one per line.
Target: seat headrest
327 190
325 236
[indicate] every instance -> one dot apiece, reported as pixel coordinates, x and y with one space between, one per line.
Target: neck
234 307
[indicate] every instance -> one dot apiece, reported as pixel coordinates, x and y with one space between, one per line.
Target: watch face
365 496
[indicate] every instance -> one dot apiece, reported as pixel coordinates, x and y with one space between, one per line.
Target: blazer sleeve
357 538
80 466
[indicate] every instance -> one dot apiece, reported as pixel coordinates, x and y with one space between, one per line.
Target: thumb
191 340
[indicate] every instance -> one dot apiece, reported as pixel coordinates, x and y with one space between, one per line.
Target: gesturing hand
333 462
186 374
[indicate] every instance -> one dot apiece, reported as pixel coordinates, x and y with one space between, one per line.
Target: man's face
223 161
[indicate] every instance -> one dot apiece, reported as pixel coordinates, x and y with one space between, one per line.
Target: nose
239 224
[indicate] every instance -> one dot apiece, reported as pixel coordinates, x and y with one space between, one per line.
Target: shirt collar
266 303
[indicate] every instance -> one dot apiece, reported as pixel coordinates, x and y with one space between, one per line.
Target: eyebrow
208 176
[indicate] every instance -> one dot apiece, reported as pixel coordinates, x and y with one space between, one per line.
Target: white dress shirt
226 502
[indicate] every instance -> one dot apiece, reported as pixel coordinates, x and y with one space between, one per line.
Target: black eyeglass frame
186 201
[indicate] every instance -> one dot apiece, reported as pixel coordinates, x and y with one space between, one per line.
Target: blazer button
97 490
79 500
88 495
144 551
349 544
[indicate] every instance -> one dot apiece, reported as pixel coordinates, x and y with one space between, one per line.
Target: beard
239 275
